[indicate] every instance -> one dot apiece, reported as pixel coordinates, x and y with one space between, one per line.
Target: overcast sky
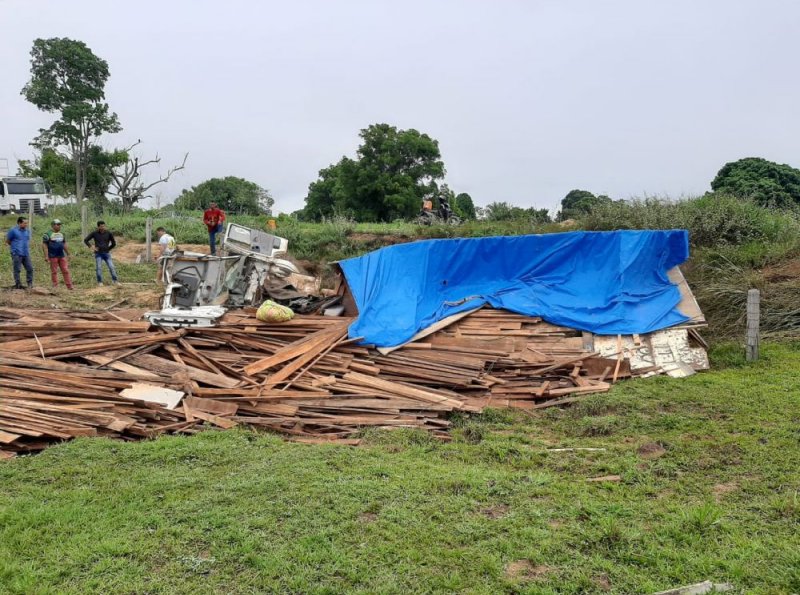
528 99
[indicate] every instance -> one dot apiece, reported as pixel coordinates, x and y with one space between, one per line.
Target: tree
69 79
126 178
503 211
393 170
232 194
333 192
464 207
578 203
768 183
57 170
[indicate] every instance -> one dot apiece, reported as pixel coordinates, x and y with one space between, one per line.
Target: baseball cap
56 221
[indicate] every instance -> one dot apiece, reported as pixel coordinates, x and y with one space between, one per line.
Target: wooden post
31 212
84 220
148 230
753 317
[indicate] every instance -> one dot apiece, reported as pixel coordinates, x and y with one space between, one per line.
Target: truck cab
17 194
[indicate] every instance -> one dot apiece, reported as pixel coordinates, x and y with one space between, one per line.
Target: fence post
84 220
148 230
753 317
31 212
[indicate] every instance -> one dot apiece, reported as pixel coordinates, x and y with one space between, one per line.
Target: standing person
104 243
54 247
166 243
166 247
19 238
213 217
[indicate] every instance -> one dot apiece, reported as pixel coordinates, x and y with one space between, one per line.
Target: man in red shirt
213 217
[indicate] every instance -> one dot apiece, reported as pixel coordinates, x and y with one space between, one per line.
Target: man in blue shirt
19 238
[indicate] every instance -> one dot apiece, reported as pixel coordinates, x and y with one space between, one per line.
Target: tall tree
579 202
464 206
232 194
393 170
769 183
126 179
67 78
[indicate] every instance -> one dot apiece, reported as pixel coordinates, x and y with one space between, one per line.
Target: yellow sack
269 311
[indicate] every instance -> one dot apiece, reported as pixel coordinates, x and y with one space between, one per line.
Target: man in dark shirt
104 242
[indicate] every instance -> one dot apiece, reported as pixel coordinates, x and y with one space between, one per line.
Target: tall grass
712 220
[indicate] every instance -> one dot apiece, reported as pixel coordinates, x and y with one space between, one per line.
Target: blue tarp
605 282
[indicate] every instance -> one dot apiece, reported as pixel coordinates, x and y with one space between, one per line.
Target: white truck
17 194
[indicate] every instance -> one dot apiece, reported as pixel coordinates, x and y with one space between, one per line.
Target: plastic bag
270 311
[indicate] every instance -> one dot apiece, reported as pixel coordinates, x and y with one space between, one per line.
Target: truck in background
17 193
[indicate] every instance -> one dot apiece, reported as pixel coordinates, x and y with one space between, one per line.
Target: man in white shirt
166 243
166 247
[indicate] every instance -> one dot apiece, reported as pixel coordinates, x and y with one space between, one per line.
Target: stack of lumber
68 374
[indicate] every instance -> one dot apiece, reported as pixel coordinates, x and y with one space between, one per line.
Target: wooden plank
214 419
320 344
211 406
296 349
8 437
162 365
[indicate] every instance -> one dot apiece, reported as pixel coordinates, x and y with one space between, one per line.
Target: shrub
711 220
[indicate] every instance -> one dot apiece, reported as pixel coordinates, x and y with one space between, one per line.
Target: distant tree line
391 174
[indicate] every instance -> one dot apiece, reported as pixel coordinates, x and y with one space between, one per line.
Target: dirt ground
131 251
786 271
124 295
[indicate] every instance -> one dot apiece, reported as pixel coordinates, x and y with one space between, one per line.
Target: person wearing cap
104 243
213 217
18 239
54 247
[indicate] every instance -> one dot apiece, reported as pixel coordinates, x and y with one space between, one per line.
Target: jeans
99 257
22 261
212 237
60 263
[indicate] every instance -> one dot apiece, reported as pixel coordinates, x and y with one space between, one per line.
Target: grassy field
709 489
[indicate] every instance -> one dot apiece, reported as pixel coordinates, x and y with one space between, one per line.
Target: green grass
244 512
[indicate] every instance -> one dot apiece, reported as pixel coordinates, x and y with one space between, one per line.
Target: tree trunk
78 186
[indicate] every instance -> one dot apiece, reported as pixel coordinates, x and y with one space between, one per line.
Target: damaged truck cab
199 286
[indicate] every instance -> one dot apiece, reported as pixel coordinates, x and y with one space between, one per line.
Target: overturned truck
253 266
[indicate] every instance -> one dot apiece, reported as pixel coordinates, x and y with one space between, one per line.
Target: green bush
712 220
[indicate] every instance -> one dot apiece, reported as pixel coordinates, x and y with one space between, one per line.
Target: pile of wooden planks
68 374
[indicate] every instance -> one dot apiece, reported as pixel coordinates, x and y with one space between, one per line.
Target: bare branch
126 179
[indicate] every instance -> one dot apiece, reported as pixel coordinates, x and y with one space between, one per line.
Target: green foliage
393 171
712 220
769 184
464 207
232 194
69 79
503 211
578 203
58 171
